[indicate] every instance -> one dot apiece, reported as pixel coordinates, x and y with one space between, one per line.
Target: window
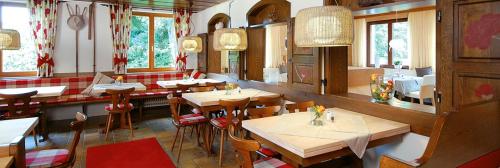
380 33
23 61
152 43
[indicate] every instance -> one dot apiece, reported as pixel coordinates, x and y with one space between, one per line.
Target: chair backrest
175 104
216 84
429 80
78 125
234 106
271 100
202 89
185 87
267 111
18 103
121 96
302 106
243 147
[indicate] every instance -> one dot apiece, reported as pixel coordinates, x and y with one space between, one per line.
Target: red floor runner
133 154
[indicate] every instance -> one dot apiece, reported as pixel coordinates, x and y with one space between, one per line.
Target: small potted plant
398 65
381 91
317 112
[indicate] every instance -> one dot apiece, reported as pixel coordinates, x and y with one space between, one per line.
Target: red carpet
133 154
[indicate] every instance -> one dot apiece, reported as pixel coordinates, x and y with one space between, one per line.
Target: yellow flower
119 78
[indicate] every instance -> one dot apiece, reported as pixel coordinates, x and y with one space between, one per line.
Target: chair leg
198 134
192 130
108 125
130 124
175 139
221 148
34 137
182 141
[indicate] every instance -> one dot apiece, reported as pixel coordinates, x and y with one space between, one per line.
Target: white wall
65 51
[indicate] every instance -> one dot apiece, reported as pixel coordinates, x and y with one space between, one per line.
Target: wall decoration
76 22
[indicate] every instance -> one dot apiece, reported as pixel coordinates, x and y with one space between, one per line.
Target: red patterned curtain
121 17
43 24
182 29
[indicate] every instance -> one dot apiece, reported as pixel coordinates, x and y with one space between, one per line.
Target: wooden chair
268 111
59 158
216 84
426 90
20 106
267 101
302 106
183 121
235 110
120 104
184 88
244 149
388 161
202 89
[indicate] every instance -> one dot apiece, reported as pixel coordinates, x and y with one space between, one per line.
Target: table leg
20 153
43 122
123 121
290 162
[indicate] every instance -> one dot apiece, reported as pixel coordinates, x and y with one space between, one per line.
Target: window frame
17 73
151 41
389 31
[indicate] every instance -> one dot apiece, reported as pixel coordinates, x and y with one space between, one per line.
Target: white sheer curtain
359 45
275 44
422 40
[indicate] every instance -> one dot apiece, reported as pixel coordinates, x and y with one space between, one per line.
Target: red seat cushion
190 119
221 122
120 106
270 162
47 158
196 111
267 152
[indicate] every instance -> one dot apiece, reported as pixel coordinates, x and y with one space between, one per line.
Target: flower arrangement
229 87
119 79
317 111
185 76
381 91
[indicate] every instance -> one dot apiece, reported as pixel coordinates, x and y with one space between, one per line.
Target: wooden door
256 51
202 56
304 70
468 69
213 60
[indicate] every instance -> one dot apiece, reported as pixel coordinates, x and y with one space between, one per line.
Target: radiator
155 102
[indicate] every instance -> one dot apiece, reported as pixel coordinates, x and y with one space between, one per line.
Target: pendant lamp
324 26
230 39
9 39
190 44
397 44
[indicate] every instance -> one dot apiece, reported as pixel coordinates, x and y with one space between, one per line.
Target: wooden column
336 64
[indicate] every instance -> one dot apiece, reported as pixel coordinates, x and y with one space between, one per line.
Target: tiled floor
157 123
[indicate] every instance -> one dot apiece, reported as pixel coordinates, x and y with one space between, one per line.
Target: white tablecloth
173 83
407 84
101 88
213 97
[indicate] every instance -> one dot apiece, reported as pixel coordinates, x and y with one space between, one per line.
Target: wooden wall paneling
203 55
268 12
336 67
304 70
421 122
255 53
213 59
469 77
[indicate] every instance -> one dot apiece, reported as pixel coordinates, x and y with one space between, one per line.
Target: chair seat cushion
47 158
270 162
267 152
120 106
191 119
196 111
221 122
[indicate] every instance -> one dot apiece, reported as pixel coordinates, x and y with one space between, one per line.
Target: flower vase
316 118
381 91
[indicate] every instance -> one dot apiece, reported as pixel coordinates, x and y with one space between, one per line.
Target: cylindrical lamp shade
230 39
324 26
190 44
9 39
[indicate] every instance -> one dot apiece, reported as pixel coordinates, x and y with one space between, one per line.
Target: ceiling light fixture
230 39
324 26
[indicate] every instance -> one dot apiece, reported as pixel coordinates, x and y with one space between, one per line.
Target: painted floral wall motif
479 27
478 89
303 74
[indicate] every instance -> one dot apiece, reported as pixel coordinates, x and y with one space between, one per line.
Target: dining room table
12 138
208 102
303 144
173 83
405 84
101 88
43 95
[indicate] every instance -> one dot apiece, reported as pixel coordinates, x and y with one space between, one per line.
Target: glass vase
381 91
